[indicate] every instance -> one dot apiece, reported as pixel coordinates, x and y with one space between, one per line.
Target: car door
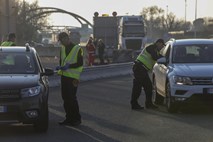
161 71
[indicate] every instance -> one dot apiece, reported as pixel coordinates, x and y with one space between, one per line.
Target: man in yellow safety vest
10 41
70 68
143 64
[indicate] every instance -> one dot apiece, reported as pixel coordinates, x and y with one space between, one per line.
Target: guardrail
98 72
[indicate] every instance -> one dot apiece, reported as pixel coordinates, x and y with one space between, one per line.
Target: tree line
168 25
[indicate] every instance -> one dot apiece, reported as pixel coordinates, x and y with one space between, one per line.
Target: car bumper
25 110
192 94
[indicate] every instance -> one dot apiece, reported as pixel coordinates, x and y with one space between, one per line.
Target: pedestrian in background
70 68
10 40
90 47
95 42
101 48
143 64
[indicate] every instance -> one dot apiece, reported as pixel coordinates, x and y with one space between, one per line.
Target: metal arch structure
58 10
50 11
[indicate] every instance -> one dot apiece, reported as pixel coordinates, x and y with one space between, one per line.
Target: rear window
17 63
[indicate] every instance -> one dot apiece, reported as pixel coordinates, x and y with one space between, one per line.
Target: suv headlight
182 80
29 92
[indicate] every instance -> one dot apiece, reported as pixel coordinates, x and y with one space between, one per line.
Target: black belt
141 64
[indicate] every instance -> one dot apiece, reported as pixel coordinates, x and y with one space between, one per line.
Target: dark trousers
141 79
68 91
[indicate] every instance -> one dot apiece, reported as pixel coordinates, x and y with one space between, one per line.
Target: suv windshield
193 54
17 63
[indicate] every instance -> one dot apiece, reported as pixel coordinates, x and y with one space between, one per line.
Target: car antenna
27 47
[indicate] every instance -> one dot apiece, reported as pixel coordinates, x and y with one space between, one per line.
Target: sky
86 8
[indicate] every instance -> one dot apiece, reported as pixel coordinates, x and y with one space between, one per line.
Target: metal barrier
98 72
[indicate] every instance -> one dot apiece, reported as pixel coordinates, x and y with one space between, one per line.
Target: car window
17 63
168 52
193 54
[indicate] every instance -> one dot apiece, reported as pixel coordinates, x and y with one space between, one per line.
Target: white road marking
62 114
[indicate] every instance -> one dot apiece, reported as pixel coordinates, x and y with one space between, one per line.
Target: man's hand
65 67
58 68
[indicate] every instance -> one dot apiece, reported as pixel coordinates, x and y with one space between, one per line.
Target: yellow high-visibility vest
7 43
71 58
146 59
9 60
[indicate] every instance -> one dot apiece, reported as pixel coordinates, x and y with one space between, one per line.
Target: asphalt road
107 117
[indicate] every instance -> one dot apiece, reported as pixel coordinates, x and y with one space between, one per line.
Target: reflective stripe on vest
7 43
71 59
146 59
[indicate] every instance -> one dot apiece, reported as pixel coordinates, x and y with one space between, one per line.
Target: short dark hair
11 35
62 35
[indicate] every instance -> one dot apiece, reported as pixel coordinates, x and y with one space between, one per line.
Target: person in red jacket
90 47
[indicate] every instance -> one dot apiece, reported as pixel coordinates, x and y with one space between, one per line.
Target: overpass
49 10
44 11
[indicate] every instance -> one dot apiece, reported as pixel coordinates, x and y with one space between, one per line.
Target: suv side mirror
162 60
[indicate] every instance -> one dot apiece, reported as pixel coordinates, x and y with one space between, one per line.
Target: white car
185 74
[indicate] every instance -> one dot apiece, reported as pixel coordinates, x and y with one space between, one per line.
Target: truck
105 27
131 33
124 36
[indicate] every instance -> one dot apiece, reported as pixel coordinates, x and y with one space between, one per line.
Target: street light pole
195 32
195 9
185 27
185 10
167 10
8 15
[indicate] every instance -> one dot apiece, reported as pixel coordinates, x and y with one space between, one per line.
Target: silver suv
185 74
23 87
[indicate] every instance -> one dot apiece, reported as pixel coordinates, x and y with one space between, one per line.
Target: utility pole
24 20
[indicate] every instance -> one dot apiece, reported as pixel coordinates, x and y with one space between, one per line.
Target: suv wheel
158 99
171 106
41 125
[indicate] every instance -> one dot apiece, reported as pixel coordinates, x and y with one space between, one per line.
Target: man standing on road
71 66
10 41
143 64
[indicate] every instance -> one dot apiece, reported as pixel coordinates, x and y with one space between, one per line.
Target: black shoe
151 106
65 122
75 123
137 107
70 123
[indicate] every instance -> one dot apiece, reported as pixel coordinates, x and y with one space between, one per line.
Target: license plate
3 109
210 90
